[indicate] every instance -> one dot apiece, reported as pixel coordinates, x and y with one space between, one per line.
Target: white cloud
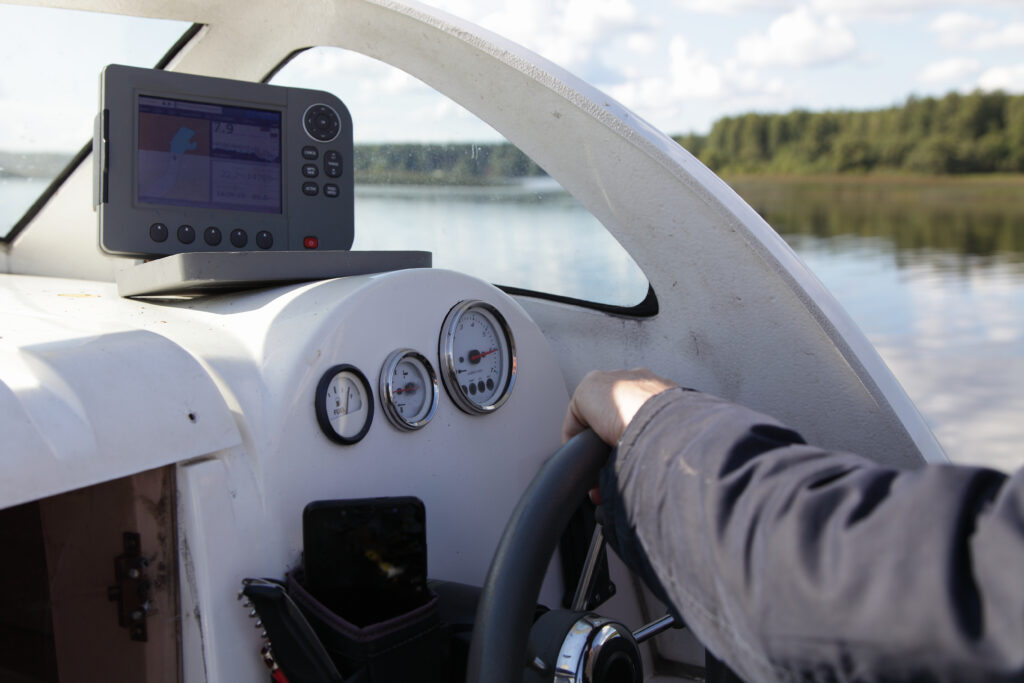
949 71
874 7
569 33
1008 36
1008 78
691 73
956 29
864 9
680 99
732 6
641 43
797 39
959 29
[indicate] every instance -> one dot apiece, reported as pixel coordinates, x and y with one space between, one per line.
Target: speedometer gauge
408 389
478 357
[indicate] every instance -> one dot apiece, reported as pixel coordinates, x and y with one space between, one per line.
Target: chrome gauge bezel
449 369
323 415
388 390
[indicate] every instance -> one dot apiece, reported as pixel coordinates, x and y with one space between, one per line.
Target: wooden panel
83 532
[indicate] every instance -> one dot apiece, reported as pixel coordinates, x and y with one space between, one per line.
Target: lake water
932 271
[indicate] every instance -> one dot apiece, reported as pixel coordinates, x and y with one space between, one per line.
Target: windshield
49 90
430 175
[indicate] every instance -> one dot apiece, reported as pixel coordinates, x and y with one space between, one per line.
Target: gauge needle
479 355
409 388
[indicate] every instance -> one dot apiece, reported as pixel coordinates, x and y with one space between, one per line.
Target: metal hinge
131 588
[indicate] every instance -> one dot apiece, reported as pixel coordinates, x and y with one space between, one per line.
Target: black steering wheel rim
505 612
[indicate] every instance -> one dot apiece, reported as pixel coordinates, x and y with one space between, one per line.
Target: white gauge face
344 405
478 357
408 389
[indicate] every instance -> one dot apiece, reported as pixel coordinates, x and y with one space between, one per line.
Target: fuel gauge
408 389
344 404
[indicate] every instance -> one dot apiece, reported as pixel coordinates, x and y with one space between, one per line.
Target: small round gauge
478 357
344 404
408 389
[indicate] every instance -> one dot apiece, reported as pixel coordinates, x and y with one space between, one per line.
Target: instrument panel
370 353
476 354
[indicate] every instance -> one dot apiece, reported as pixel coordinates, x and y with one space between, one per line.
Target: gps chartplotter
189 163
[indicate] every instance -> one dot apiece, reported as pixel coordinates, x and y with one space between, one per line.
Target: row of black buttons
186 234
312 189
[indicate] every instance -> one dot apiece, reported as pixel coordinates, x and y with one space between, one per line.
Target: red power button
310 242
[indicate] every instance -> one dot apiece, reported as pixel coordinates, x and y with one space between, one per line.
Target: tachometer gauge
344 404
478 357
408 389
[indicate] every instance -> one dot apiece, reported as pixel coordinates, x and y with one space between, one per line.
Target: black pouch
409 647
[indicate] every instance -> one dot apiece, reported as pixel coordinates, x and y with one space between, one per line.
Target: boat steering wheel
572 645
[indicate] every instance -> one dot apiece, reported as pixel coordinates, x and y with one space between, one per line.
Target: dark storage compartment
59 614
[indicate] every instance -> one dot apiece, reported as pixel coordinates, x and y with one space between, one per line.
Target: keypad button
331 190
158 232
186 234
212 236
310 189
264 240
310 170
310 153
239 238
332 163
321 123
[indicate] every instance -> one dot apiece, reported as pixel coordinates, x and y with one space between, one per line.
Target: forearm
787 559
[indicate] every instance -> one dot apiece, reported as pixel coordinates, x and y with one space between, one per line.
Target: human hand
607 401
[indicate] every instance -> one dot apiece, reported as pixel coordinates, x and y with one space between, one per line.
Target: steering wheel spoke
564 646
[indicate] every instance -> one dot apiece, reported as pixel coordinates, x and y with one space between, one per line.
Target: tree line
980 132
442 164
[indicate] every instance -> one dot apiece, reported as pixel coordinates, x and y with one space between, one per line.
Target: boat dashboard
420 382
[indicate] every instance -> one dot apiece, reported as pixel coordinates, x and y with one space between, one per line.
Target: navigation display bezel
179 187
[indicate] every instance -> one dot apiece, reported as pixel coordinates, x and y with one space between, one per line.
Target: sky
682 64
679 64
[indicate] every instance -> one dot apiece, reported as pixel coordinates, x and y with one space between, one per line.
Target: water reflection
933 272
962 224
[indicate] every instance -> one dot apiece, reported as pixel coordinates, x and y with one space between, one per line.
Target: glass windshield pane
431 176
49 89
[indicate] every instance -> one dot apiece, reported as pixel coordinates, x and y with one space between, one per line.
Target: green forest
955 134
974 133
442 164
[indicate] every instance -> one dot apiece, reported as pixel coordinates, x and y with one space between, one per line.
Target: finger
572 424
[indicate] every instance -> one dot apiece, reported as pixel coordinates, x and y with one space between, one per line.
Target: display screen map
208 156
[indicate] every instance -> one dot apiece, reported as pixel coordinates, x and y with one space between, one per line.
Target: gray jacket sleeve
794 563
